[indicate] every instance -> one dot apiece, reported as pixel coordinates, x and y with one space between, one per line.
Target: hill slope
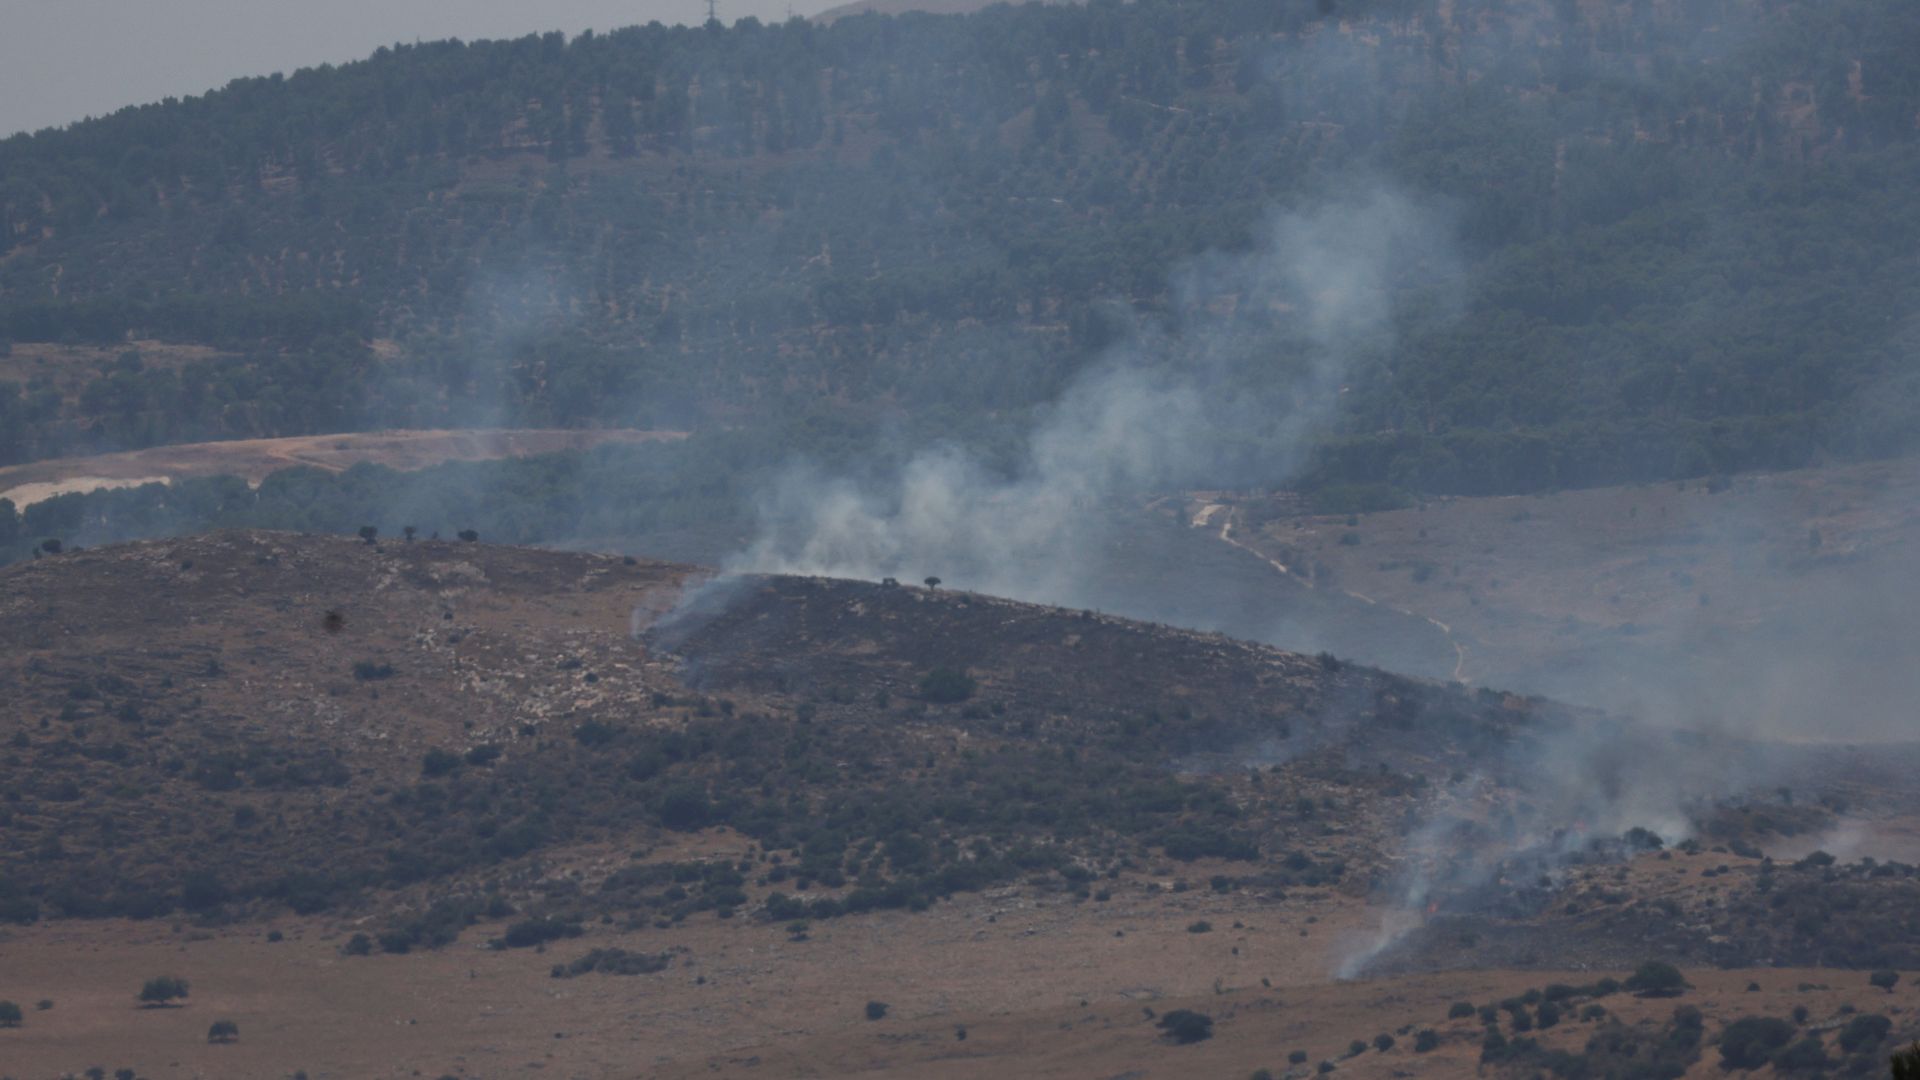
1678 226
453 716
731 811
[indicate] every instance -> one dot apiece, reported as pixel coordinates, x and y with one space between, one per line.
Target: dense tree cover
1685 241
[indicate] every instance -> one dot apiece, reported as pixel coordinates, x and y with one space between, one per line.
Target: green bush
1656 978
530 932
163 990
1750 1043
1184 1026
946 686
1864 1033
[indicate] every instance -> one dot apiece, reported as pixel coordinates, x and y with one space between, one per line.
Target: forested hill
1687 228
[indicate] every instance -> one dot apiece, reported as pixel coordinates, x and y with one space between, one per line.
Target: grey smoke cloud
1256 355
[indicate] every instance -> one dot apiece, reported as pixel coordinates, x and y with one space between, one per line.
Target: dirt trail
1204 519
253 459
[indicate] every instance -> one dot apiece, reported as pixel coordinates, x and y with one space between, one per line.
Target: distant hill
1682 240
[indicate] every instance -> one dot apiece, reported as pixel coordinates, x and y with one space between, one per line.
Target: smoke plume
1231 387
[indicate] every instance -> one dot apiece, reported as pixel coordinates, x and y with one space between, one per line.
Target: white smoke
1175 404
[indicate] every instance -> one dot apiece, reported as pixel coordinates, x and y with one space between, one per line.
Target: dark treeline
1686 226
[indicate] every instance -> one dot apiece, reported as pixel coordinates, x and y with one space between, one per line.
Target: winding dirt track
253 459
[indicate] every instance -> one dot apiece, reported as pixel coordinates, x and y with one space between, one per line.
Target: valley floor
1041 987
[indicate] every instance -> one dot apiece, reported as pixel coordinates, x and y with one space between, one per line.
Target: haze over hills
1040 541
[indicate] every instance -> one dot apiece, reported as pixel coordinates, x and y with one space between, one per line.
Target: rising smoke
1234 386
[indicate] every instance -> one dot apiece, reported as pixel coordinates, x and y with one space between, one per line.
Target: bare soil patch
253 459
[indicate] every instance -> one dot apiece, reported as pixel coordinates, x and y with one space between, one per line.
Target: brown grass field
1042 989
253 459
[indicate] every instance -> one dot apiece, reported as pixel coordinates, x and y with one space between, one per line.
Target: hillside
308 679
1774 602
1674 236
778 798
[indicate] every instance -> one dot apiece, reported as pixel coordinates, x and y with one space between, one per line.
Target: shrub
1460 1010
223 1031
1864 1033
1425 1041
613 962
1656 978
1750 1042
1184 1026
945 686
529 932
468 536
163 989
1383 1042
1200 927
1298 1057
358 945
438 762
594 733
876 1010
685 808
10 1014
372 670
1806 1055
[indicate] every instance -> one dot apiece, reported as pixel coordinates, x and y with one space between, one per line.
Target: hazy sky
62 60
